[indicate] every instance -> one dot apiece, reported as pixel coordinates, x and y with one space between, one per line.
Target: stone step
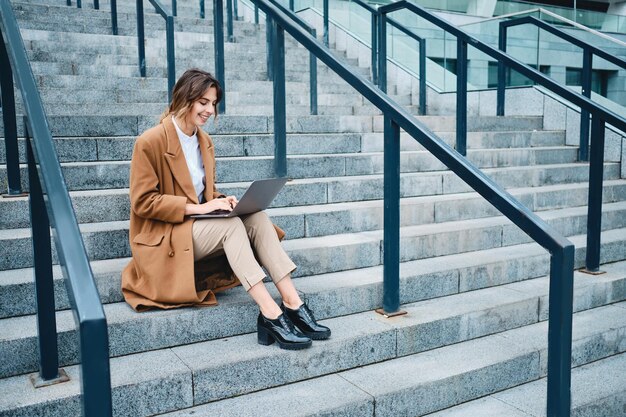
119 148
156 62
157 68
598 389
507 355
356 216
480 123
339 187
342 251
372 142
417 384
59 96
353 217
127 125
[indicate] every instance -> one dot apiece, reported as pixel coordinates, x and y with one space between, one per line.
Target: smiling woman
180 261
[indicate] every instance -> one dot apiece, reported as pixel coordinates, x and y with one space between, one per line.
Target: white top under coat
193 156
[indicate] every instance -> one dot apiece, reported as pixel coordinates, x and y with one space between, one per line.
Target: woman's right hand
209 206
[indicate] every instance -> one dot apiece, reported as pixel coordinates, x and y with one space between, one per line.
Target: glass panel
592 19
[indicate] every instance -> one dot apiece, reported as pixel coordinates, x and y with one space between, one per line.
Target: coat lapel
176 160
208 160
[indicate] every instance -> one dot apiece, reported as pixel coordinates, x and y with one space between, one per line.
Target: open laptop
257 197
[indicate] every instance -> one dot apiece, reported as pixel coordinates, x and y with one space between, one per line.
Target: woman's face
203 108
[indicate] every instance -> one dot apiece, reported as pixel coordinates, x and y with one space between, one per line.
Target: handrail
55 210
396 118
553 15
169 36
588 52
594 204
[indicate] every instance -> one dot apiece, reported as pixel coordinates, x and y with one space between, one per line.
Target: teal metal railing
51 207
169 39
396 118
596 168
588 52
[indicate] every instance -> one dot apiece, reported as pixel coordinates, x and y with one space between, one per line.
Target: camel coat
162 273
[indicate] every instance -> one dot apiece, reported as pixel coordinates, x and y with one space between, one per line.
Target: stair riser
109 244
120 149
115 175
373 341
123 125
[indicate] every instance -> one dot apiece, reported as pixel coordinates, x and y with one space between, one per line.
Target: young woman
178 261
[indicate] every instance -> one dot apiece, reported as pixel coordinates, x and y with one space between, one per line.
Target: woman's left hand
232 200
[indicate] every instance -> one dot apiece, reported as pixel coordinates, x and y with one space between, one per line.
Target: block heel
281 330
264 337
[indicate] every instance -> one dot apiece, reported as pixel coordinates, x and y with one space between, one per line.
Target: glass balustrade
533 46
592 19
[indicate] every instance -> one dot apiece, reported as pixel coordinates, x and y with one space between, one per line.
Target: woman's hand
209 206
232 200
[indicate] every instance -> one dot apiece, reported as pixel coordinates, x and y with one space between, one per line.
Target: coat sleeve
146 199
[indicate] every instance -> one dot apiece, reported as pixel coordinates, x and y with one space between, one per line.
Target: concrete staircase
475 287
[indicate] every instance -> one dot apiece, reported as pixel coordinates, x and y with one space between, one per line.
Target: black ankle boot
303 319
281 330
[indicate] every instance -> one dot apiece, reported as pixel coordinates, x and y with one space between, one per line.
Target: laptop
257 197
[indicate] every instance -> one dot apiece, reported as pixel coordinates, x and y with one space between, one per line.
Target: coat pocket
148 239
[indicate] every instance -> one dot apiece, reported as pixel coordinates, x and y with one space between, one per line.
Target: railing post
594 203
68 2
42 262
292 5
269 40
461 97
256 14
583 150
96 373
141 39
174 13
501 72
326 35
391 232
375 48
218 46
201 9
79 4
10 123
96 4
171 59
280 110
382 52
422 104
229 20
235 9
313 78
560 332
114 28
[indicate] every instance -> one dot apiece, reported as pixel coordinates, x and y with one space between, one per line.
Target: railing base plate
24 194
40 383
586 271
388 315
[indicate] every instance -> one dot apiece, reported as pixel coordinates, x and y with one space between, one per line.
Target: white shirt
193 156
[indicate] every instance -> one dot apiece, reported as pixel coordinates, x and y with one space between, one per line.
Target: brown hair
188 89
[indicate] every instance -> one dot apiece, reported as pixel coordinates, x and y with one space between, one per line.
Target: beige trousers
238 237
